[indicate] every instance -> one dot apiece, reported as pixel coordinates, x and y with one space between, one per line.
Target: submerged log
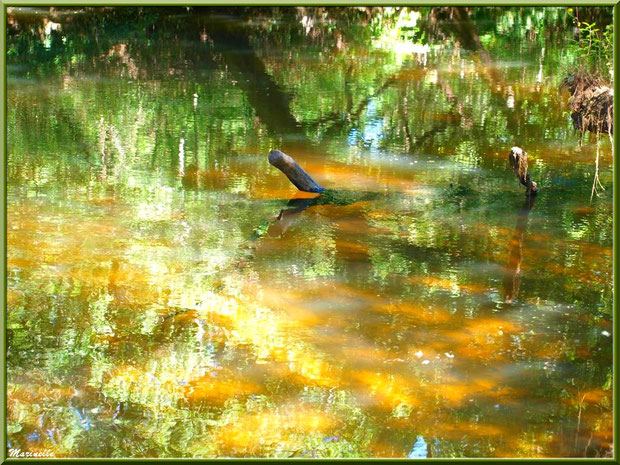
296 206
518 163
295 173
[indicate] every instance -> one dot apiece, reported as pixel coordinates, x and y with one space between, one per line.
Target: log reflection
512 275
287 216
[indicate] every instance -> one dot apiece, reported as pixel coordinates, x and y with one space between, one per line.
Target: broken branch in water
518 162
295 173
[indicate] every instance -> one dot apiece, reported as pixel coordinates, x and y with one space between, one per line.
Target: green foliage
595 46
150 314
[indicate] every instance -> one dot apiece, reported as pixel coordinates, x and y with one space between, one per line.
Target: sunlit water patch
171 294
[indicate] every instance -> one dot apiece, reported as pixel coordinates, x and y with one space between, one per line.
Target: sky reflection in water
158 308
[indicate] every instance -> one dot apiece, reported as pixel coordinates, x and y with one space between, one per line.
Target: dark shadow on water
296 206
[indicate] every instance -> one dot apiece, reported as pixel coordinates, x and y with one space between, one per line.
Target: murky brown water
157 307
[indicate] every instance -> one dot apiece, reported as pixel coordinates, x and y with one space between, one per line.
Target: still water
160 306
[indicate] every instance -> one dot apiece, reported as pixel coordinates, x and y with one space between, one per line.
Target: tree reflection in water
151 310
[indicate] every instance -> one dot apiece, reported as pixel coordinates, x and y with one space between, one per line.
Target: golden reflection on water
173 306
290 330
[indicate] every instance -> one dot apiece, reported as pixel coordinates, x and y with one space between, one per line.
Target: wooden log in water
295 173
518 162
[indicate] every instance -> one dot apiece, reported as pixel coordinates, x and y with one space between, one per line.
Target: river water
157 306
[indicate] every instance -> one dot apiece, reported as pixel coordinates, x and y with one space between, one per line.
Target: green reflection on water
158 307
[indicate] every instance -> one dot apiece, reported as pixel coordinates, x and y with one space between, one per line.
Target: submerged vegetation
170 294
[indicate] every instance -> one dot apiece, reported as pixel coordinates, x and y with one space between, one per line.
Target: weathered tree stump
518 162
295 173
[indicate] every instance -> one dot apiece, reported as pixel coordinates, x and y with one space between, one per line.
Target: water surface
158 308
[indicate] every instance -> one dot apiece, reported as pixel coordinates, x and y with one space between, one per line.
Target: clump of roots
592 107
591 103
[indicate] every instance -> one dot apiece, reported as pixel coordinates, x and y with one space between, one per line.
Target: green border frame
309 3
3 222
